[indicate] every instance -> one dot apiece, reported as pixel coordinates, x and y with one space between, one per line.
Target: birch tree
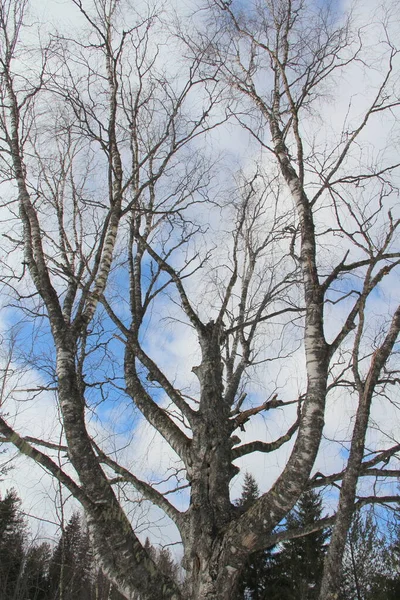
126 227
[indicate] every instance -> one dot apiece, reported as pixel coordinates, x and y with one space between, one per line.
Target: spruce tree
71 564
35 578
164 560
299 562
292 570
368 572
259 574
250 492
32 572
73 572
12 536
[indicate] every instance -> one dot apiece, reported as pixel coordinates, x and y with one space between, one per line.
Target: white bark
121 252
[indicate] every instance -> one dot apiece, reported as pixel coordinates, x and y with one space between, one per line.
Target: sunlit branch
11 436
142 487
258 446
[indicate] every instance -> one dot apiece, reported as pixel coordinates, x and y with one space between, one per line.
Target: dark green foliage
73 573
163 558
370 567
166 563
301 559
30 571
392 588
23 567
250 492
71 563
259 572
261 579
35 580
393 583
293 570
12 536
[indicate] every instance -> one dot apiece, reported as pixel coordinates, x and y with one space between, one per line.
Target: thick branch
332 566
258 446
155 415
291 534
155 374
144 488
28 450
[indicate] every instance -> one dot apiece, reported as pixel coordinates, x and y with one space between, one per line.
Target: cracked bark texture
103 258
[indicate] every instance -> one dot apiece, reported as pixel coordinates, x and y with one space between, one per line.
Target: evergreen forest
67 569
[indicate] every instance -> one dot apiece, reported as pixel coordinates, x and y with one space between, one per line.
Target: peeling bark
145 227
330 588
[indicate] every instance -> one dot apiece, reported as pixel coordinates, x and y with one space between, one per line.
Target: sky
171 344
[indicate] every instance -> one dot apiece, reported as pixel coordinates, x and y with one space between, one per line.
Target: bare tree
122 221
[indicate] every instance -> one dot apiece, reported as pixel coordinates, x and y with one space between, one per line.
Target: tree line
67 568
293 570
41 571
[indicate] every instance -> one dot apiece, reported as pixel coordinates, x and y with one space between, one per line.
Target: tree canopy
201 248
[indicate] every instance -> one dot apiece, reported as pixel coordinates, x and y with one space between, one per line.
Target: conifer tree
368 563
71 563
12 535
164 560
250 492
299 563
260 574
292 571
35 576
32 572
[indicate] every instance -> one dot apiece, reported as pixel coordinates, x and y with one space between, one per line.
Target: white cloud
174 347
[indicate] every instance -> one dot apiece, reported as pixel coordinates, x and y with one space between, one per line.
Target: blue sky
177 350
